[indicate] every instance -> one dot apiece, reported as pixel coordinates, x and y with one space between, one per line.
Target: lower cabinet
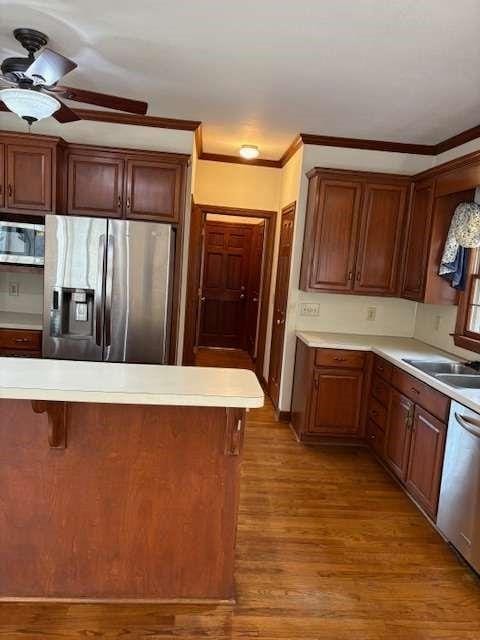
425 462
20 343
403 420
327 394
335 402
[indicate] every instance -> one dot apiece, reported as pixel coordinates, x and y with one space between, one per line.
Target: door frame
197 222
289 208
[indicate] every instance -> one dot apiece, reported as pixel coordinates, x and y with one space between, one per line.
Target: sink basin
460 381
435 368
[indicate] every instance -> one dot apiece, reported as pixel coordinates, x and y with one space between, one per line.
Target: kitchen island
120 482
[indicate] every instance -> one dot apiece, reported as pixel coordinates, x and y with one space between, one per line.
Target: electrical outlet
309 309
371 314
437 322
13 289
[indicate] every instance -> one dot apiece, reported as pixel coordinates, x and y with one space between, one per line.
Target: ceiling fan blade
48 67
101 99
65 114
3 107
6 81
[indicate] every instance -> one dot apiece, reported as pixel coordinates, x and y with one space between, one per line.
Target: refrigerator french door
107 289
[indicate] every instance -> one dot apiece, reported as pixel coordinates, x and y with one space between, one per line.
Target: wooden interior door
426 459
95 185
280 303
397 446
224 285
380 238
254 286
29 177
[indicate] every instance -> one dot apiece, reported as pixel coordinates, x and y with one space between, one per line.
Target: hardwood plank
328 547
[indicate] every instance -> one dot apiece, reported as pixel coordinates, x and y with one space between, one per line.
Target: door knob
242 296
255 300
203 298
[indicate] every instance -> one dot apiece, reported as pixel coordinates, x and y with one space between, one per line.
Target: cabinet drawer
375 438
377 413
339 358
383 368
20 339
380 390
430 399
19 353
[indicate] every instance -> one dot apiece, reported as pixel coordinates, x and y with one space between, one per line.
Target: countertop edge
451 392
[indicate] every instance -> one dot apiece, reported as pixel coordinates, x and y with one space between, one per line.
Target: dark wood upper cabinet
153 190
29 177
380 239
353 232
331 235
418 240
95 185
426 459
2 175
397 445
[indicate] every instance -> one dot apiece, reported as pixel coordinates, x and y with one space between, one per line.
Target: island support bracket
234 431
57 421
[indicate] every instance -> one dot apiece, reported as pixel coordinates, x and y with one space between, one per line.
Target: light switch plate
310 309
371 314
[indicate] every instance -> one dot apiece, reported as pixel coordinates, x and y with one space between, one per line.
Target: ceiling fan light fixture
249 151
29 105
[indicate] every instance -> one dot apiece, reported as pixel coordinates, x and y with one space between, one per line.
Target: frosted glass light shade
28 104
249 151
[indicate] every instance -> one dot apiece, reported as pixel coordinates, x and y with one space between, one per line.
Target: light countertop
395 350
105 382
15 320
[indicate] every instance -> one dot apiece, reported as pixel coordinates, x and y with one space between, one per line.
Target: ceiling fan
33 93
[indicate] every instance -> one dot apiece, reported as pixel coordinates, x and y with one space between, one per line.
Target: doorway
287 222
228 289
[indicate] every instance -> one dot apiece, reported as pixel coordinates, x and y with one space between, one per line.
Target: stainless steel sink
435 368
460 381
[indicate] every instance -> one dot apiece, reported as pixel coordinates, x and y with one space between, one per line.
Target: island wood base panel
105 502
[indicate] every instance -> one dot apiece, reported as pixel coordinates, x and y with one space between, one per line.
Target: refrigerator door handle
99 299
108 291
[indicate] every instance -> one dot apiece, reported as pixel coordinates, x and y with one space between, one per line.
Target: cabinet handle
119 202
350 275
413 390
338 359
10 191
358 275
128 203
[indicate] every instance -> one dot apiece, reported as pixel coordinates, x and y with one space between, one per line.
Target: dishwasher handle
470 424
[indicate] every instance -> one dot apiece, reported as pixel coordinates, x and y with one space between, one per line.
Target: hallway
225 358
328 547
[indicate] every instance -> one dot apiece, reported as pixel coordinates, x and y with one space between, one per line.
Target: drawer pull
21 340
414 390
338 359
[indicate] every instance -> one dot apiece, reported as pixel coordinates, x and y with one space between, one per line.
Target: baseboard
284 416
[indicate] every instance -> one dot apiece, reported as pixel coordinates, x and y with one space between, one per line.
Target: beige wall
236 185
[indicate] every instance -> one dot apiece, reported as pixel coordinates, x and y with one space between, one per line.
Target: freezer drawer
459 508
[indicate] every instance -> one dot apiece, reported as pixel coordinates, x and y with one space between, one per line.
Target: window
467 331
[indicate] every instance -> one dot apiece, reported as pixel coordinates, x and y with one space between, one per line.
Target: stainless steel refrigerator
108 289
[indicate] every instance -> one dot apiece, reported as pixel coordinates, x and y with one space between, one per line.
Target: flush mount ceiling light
249 151
29 104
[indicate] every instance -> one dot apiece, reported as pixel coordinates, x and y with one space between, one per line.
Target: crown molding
458 139
372 145
143 121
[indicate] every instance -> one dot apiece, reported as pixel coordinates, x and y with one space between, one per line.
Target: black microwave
22 243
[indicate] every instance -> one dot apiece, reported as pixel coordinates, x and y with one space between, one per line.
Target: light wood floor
329 548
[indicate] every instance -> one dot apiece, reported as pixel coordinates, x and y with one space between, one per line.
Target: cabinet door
418 240
29 177
95 185
380 238
153 190
2 175
336 402
399 425
334 236
426 459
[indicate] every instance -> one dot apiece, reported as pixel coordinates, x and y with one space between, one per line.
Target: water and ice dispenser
72 313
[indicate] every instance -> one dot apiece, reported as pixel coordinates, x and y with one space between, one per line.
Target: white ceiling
260 71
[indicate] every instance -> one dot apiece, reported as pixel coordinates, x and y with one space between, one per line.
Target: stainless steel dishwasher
459 507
